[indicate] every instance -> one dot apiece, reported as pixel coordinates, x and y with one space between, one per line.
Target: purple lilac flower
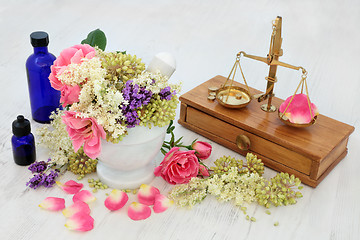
36 181
38 167
41 179
136 97
49 180
166 93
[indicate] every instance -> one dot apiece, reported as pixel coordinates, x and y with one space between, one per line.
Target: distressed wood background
204 36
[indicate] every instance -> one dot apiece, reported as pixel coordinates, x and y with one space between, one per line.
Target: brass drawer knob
243 142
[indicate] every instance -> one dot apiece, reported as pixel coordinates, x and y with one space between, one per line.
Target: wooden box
308 153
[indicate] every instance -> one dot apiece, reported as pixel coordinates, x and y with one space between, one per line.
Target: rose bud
202 149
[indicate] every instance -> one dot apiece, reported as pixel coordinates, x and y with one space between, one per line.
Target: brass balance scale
231 96
243 125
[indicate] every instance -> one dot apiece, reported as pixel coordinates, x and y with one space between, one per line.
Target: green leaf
168 130
178 141
172 139
96 38
163 151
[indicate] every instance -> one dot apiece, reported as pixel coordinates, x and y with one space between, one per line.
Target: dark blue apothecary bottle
23 142
43 98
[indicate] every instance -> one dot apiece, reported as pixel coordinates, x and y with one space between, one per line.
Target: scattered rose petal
85 196
162 203
116 200
138 211
80 222
77 207
147 193
53 204
70 186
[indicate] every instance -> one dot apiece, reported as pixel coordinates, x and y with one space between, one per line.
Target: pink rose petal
162 203
298 111
84 196
147 193
84 131
53 204
70 186
72 55
77 207
69 94
80 222
138 211
116 200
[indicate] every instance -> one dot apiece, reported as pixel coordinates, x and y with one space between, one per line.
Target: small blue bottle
23 142
43 98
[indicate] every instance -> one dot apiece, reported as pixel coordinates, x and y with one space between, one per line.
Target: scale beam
232 97
269 61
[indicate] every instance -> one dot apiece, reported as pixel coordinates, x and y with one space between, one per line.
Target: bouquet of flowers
103 94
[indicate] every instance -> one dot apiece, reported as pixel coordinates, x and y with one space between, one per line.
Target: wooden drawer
258 145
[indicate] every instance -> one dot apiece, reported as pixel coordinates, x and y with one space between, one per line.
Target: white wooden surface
204 36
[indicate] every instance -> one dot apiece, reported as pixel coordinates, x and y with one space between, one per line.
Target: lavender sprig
41 178
136 97
166 93
38 167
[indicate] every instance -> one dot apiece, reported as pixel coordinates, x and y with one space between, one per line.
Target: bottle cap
39 39
21 126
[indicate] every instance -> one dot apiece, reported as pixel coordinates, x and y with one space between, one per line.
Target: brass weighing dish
233 97
286 121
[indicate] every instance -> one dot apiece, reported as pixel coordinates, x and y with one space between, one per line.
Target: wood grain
258 144
204 36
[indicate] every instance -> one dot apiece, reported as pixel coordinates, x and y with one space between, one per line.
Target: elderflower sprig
240 182
280 190
56 139
188 195
252 165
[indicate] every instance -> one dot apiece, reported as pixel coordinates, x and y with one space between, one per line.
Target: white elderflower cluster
154 82
56 139
241 188
234 186
76 74
187 195
100 99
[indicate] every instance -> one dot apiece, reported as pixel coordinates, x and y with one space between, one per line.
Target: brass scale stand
236 97
309 154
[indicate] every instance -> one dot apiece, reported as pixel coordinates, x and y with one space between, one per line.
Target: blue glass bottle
43 98
23 142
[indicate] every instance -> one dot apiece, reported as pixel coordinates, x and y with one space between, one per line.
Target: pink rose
70 55
202 149
69 94
298 110
178 166
84 131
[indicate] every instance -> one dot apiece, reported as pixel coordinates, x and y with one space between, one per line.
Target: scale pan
286 121
233 97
